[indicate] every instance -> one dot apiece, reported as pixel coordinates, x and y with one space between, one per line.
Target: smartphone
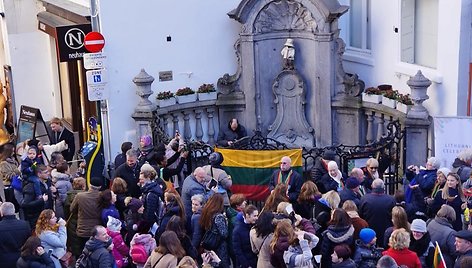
212 183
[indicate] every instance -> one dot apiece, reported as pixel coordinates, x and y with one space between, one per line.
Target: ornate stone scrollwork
229 83
284 15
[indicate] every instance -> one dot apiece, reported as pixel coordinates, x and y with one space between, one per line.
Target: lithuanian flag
251 170
438 258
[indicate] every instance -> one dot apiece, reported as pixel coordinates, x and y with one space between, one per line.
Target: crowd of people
155 213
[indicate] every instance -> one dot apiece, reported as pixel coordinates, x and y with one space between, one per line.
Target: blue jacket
152 201
242 245
425 178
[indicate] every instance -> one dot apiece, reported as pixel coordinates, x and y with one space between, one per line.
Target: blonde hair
349 205
445 189
333 199
399 239
372 162
399 218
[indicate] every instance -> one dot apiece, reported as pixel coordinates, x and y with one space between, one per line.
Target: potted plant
404 103
206 92
185 95
372 94
165 98
389 98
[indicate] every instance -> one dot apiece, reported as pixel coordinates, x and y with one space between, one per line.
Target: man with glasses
371 172
100 246
286 175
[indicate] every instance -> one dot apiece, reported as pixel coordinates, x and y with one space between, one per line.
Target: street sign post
94 42
96 85
94 60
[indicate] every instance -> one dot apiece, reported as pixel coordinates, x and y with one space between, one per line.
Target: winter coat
366 256
424 249
120 204
120 159
462 169
152 200
120 249
404 257
242 245
300 255
425 179
376 209
109 211
196 230
322 214
261 247
227 134
13 234
67 136
459 258
32 205
348 263
349 194
166 261
34 261
332 237
132 219
294 186
330 184
57 242
276 258
305 209
358 223
62 183
73 241
171 209
317 172
146 240
455 204
131 176
190 188
224 181
100 256
222 226
88 213
8 169
440 230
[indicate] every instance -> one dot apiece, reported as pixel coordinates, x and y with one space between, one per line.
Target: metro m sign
70 41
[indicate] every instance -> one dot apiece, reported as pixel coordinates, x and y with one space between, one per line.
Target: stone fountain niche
289 103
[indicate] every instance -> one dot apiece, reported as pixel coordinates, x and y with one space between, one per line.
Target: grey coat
57 242
441 231
190 188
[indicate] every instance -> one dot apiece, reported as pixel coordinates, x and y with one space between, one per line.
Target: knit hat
96 181
418 225
329 155
146 167
147 140
366 235
444 171
352 183
135 204
113 224
215 159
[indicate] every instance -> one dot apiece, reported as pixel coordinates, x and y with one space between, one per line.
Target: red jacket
404 257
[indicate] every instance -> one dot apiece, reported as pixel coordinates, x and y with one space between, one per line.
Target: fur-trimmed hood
339 234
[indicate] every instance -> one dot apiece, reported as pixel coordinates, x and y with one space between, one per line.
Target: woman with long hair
309 194
168 253
261 236
339 231
176 225
399 220
213 219
279 194
107 204
34 255
173 206
299 253
452 195
52 234
398 243
284 235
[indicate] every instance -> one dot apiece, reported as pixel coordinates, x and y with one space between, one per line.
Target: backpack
139 254
84 261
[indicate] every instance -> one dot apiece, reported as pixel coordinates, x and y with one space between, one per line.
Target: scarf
287 180
420 246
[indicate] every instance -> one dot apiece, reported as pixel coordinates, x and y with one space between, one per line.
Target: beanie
135 204
352 183
367 235
113 224
444 171
418 225
215 159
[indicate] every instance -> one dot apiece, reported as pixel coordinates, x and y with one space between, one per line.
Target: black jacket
376 210
100 257
33 206
43 261
131 176
227 134
13 234
68 137
294 186
152 200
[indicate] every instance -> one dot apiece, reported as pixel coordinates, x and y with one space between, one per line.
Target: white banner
451 135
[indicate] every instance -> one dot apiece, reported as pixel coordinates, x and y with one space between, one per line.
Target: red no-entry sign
94 42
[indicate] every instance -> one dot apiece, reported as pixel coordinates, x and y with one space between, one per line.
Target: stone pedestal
143 112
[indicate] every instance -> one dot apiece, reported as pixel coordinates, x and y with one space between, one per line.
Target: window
419 32
359 24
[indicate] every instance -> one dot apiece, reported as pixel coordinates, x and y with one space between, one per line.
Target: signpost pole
103 103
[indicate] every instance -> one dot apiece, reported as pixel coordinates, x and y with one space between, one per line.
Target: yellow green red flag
438 261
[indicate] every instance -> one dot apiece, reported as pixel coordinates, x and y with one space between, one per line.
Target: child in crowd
28 166
120 249
341 257
133 216
367 254
61 180
142 245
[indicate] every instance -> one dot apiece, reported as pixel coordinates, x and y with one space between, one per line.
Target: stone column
143 112
417 121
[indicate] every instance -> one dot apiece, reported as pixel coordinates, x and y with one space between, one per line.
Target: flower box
166 102
207 96
371 98
389 102
403 107
186 98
